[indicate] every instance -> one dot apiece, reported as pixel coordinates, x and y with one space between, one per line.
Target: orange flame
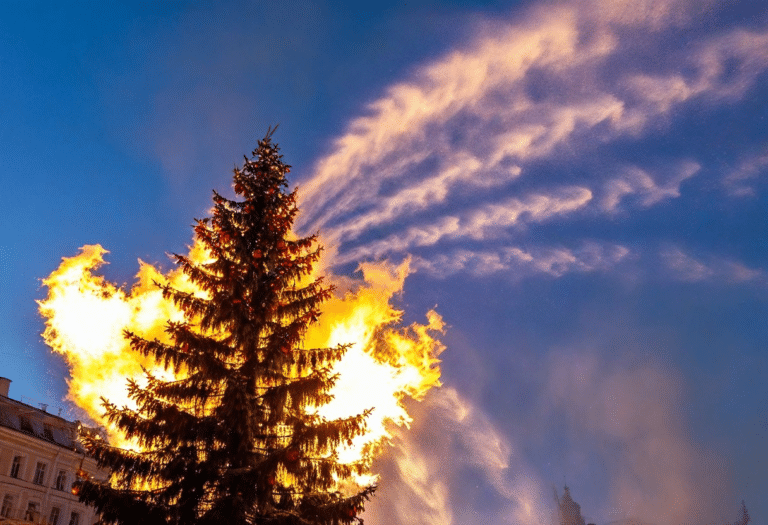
86 315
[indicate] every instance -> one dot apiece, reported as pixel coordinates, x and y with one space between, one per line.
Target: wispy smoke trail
456 466
656 470
426 474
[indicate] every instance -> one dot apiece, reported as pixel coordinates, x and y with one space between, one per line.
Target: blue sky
580 185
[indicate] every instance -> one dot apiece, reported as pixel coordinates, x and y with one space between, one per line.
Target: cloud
488 221
417 119
517 262
740 181
719 70
686 267
638 183
653 14
459 150
459 169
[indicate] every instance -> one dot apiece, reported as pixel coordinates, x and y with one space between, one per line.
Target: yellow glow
86 315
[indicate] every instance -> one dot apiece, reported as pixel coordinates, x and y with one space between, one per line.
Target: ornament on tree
292 455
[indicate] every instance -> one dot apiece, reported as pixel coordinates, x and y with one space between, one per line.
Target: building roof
38 423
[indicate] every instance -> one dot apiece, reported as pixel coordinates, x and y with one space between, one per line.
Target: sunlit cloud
516 263
458 171
686 267
488 221
463 166
86 317
652 14
638 184
741 181
491 135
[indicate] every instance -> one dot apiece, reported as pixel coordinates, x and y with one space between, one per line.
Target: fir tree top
233 437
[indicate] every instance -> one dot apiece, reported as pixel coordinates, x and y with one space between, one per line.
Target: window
54 519
26 425
39 473
16 466
7 508
48 432
31 514
61 480
74 519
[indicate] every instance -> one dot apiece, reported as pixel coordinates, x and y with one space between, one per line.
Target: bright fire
86 315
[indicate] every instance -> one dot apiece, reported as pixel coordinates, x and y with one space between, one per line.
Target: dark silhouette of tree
568 510
744 518
233 439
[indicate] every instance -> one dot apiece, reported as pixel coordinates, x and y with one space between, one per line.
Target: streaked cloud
488 221
652 14
741 181
686 267
643 188
459 170
516 262
528 123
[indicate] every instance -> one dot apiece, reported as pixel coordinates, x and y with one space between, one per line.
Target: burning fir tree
234 438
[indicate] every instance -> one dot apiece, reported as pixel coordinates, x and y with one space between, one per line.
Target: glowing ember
86 315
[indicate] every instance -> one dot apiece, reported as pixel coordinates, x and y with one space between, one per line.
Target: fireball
85 317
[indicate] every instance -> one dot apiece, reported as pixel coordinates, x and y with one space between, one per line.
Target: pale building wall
53 444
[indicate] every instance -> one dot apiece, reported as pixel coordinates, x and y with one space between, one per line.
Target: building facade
40 458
